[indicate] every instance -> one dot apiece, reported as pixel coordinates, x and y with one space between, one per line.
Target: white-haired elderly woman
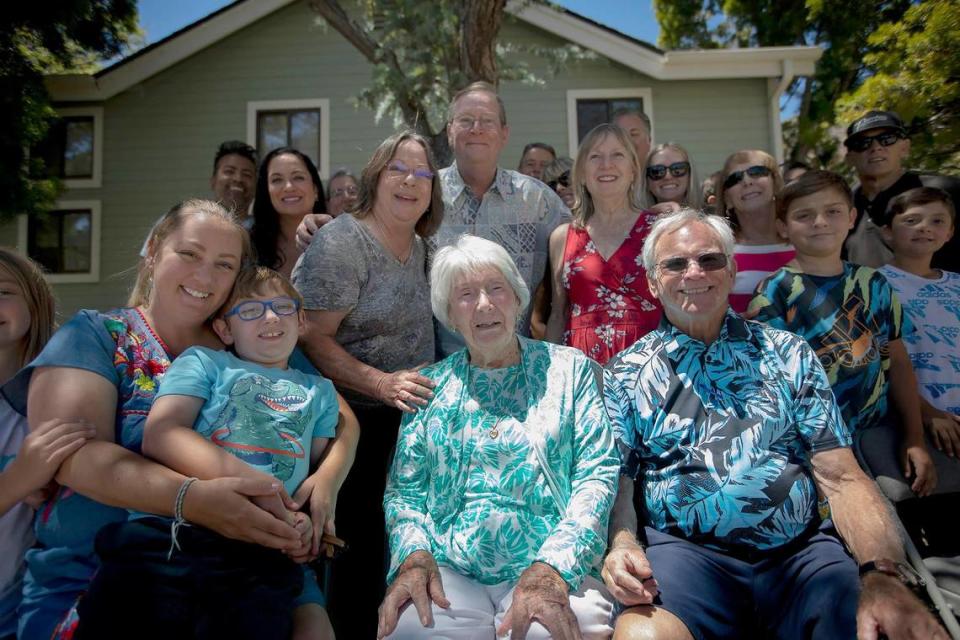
500 490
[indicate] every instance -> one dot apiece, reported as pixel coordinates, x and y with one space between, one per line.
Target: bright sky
160 18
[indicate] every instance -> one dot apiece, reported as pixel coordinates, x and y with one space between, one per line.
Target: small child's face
920 231
816 225
268 340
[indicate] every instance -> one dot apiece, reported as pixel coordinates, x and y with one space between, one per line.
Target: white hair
470 254
670 222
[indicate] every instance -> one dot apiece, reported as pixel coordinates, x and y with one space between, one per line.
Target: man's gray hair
670 222
339 173
470 254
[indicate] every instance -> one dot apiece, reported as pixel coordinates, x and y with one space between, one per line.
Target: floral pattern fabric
506 467
719 436
609 303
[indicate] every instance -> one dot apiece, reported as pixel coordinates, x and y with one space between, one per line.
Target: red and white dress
609 306
754 263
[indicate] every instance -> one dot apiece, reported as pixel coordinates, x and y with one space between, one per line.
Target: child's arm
323 485
39 458
943 427
903 391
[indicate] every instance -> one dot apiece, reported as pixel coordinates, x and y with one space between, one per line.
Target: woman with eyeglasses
601 302
746 194
369 328
670 180
288 188
557 177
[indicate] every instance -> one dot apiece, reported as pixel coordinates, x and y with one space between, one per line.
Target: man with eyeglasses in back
877 147
342 192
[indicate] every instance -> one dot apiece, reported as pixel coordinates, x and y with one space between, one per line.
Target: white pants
476 610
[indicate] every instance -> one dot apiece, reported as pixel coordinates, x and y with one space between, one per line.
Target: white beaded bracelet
178 519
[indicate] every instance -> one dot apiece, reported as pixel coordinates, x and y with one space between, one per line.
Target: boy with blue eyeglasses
237 413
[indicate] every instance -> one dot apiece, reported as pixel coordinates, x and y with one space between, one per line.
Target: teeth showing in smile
691 292
486 325
195 293
272 334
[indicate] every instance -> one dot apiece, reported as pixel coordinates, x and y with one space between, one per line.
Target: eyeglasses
254 309
708 262
345 191
398 169
486 123
563 180
659 171
756 171
862 143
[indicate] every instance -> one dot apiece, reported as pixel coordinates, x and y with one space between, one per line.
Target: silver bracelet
178 519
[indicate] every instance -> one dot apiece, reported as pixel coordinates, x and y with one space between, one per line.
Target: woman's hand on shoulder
541 594
418 579
407 389
308 227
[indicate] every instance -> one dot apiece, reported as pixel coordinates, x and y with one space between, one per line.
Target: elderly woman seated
501 487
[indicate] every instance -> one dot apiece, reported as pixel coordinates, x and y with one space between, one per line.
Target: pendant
494 433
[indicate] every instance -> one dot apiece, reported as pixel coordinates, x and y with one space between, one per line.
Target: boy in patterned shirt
848 313
919 223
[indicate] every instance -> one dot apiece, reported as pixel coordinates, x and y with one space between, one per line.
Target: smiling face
268 340
343 192
474 132
920 231
608 171
195 267
879 161
233 182
752 195
484 310
14 312
534 161
694 298
669 188
404 188
291 188
817 224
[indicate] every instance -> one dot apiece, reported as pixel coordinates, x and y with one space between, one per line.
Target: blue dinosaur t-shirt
267 417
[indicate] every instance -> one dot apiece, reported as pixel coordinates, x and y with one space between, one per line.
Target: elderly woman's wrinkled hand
418 579
628 575
541 595
406 389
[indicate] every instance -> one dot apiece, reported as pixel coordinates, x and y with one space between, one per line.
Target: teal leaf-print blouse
506 467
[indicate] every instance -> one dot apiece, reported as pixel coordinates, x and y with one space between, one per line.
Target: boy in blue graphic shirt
222 414
919 223
849 315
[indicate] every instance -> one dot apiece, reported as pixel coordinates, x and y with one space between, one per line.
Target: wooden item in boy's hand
332 546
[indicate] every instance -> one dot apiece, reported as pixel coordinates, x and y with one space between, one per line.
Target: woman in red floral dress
602 303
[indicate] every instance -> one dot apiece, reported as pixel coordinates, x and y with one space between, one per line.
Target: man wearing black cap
877 145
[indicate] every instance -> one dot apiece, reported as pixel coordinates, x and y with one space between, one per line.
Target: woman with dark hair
288 188
369 329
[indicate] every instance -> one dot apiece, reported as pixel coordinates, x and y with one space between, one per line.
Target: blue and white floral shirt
506 467
719 436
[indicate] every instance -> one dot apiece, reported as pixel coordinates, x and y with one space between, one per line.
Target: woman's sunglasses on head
756 171
563 180
659 171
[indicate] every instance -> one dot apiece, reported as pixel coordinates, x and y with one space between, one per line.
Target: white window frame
288 105
644 93
96 180
95 219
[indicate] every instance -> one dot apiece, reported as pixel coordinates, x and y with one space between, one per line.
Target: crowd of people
589 398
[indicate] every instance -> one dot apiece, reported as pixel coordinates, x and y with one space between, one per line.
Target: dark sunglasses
563 181
707 261
756 171
862 143
659 171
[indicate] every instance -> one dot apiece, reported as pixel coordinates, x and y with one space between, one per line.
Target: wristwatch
899 570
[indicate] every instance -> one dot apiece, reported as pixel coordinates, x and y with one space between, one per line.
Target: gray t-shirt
389 321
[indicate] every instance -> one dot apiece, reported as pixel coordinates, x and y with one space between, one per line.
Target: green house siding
160 135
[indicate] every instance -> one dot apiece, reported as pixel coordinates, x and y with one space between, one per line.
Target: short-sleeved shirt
754 263
265 416
517 212
933 308
389 321
849 320
16 533
719 436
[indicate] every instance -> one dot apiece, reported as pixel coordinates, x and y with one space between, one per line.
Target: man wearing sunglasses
726 429
877 148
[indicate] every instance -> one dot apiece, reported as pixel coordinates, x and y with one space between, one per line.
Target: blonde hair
170 222
39 299
693 198
744 155
255 280
582 200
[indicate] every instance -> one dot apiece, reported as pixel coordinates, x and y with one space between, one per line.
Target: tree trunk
480 22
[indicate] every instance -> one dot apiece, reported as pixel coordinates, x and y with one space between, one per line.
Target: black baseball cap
875 120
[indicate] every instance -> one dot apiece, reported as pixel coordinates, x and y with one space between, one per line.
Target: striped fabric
754 263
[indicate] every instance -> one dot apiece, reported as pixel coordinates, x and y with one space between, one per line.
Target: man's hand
628 575
308 226
419 580
888 607
918 464
540 595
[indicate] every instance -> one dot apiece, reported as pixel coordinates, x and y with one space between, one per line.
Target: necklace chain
494 431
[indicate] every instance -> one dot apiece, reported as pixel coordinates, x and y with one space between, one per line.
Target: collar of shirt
676 342
454 187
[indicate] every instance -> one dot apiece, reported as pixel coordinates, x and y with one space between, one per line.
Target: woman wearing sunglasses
557 177
746 195
601 303
369 328
670 180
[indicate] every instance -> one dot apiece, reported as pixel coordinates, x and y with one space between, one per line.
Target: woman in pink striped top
746 194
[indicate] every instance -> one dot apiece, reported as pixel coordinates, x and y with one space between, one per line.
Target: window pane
50 151
590 113
271 131
43 240
78 148
61 240
305 133
76 242
634 104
